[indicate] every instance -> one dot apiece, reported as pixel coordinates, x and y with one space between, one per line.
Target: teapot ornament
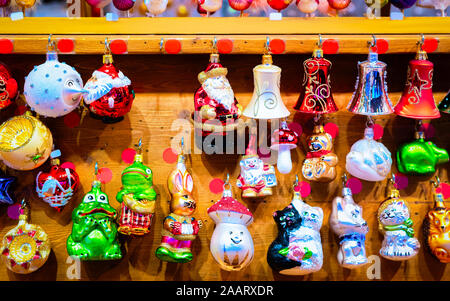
26 247
394 221
297 249
231 243
437 227
180 228
94 231
369 159
57 186
346 221
137 197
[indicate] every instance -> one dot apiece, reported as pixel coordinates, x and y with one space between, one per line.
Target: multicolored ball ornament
94 231
279 5
394 221
437 227
210 6
283 140
25 142
8 87
26 247
231 243
420 157
256 178
53 89
137 197
347 222
109 93
369 159
5 184
180 228
444 105
156 7
57 186
297 249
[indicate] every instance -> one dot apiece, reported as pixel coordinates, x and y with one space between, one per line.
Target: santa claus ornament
57 186
231 243
109 94
8 87
256 178
216 108
26 247
137 197
53 89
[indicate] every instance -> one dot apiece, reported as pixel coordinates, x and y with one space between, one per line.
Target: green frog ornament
94 231
137 198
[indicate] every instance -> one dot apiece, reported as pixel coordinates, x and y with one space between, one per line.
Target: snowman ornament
231 242
53 89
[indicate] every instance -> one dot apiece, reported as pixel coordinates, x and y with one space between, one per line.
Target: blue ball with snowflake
53 89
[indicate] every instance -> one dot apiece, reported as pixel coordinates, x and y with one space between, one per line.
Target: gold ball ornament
26 3
182 11
143 8
25 248
25 142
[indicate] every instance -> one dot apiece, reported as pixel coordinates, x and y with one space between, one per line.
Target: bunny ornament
347 222
180 228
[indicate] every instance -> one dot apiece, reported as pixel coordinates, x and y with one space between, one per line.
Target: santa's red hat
214 69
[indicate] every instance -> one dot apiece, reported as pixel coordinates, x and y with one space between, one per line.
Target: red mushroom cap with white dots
229 210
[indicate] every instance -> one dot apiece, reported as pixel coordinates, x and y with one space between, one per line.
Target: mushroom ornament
283 140
231 242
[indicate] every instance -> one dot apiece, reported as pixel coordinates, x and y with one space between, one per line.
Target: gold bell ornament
25 142
26 247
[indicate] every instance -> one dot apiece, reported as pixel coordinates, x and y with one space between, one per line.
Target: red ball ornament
279 5
339 4
123 5
240 5
8 87
57 186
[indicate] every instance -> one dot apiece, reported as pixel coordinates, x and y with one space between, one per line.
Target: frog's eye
148 171
89 198
102 198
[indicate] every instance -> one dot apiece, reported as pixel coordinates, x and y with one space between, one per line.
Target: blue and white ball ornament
53 89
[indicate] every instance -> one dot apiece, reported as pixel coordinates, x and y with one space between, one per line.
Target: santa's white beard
220 90
252 176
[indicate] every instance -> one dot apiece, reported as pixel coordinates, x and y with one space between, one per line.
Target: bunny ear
188 182
178 181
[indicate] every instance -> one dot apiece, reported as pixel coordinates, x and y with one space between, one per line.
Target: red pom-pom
332 129
355 185
172 46
296 127
6 46
401 181
20 110
118 46
66 45
428 130
378 131
72 119
381 47
225 46
330 46
104 175
277 46
128 155
169 156
430 44
216 185
445 190
304 188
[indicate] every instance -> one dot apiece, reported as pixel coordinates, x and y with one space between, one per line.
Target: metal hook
392 179
421 42
96 168
161 45
50 43
267 47
316 118
344 179
23 204
373 43
214 45
437 182
107 48
296 181
369 122
320 42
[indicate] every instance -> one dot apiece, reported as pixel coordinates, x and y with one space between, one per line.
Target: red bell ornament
417 100
315 96
57 186
370 97
8 87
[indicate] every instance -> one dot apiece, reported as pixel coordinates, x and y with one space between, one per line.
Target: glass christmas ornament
8 87
315 96
98 3
25 142
53 89
25 3
437 227
123 5
320 163
210 6
216 107
256 178
240 5
156 7
94 231
231 242
347 222
370 96
26 247
417 100
297 249
368 159
5 184
279 5
137 197
283 140
420 157
394 221
266 102
374 7
403 4
444 105
57 186
109 93
180 228
307 6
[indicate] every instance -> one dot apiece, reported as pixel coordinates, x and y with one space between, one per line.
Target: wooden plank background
164 88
